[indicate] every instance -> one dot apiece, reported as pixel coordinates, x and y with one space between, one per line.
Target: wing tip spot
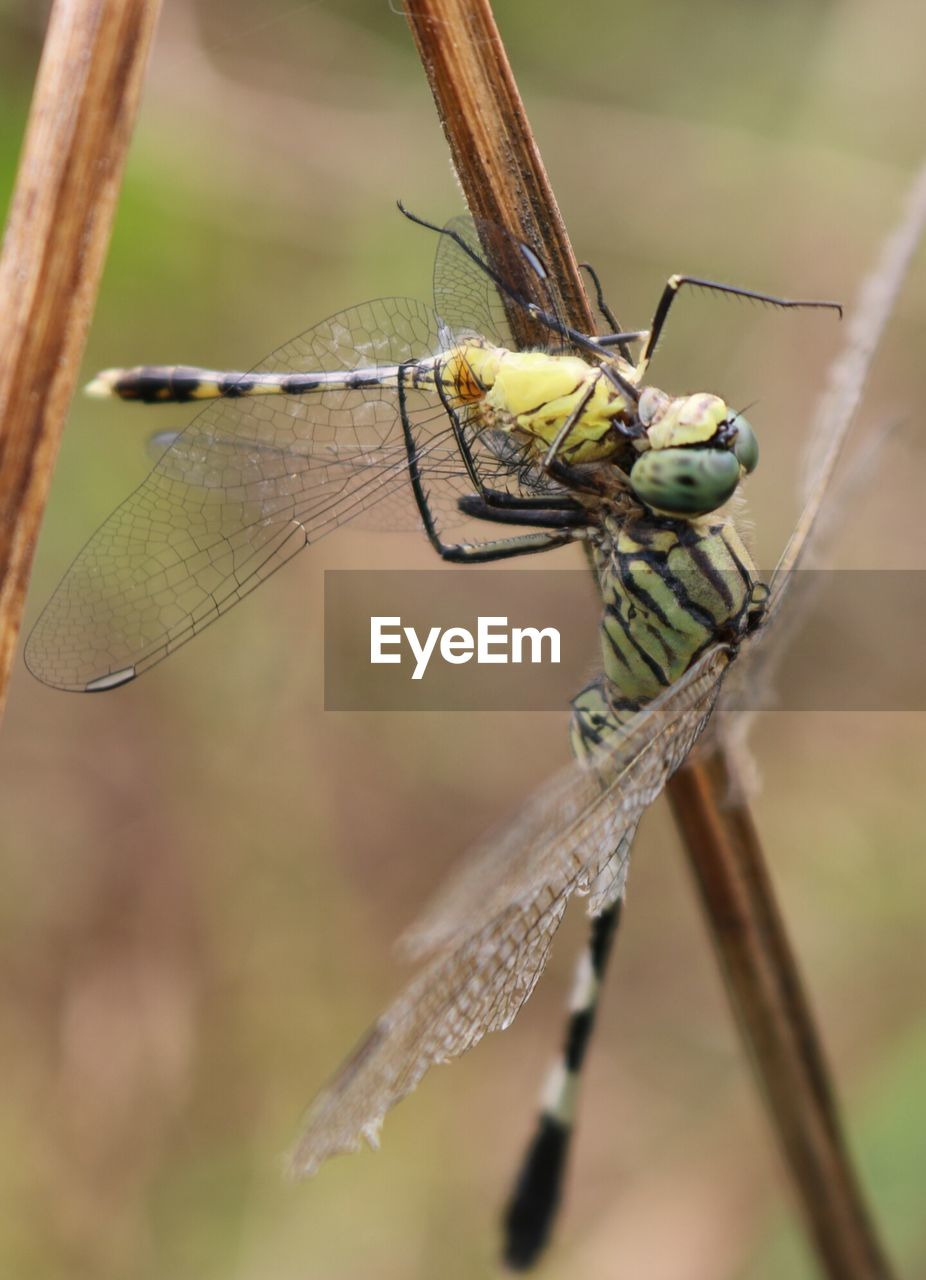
112 680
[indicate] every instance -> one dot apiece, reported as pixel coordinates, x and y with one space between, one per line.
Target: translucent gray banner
468 639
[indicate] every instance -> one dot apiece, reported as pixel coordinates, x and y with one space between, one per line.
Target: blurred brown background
202 873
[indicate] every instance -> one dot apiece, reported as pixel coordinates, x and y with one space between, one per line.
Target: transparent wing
249 483
848 375
467 299
489 933
502 463
468 302
254 480
827 437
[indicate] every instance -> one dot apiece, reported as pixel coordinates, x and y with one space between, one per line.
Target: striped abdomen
670 589
166 384
527 393
535 1199
454 369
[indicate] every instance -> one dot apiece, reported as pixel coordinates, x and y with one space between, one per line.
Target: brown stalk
83 111
766 991
491 143
503 180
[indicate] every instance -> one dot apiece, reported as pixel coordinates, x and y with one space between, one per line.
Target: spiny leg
536 517
617 337
553 464
531 1211
670 293
600 300
573 517
500 501
476 552
486 502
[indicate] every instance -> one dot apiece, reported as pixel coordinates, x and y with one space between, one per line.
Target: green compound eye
685 482
746 446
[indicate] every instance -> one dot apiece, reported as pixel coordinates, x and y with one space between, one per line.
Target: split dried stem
83 111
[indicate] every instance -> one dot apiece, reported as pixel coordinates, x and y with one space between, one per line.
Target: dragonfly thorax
532 395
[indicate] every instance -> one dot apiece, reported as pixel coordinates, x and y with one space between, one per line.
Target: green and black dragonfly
395 410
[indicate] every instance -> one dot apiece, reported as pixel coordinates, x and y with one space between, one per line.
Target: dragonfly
394 412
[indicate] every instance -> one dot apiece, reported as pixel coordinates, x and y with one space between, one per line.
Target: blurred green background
202 873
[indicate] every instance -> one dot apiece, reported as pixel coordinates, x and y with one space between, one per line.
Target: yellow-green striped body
533 394
670 589
529 394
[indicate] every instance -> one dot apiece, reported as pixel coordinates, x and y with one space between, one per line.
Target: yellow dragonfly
402 408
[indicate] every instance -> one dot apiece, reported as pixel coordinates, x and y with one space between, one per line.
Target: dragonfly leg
671 291
553 464
617 337
531 1211
571 517
486 498
500 500
467 552
600 301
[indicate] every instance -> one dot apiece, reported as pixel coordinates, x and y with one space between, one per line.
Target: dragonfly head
696 451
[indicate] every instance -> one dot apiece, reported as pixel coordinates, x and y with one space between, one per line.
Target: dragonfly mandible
398 408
